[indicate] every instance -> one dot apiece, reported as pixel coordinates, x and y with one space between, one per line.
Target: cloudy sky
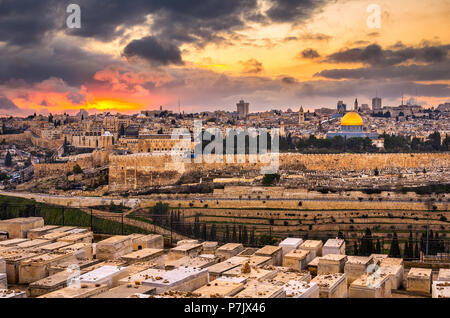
208 54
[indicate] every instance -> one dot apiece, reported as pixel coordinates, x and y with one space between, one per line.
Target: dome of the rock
351 119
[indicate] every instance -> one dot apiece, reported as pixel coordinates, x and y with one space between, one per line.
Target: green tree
252 237
245 236
204 235
8 160
234 237
77 169
266 239
212 234
270 179
378 247
395 248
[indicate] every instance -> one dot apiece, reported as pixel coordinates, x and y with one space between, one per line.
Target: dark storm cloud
293 10
309 54
375 55
61 59
153 50
7 104
433 72
288 80
27 22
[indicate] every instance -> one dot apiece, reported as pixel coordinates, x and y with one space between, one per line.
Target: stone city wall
141 170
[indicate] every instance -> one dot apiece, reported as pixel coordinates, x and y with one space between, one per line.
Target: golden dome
351 119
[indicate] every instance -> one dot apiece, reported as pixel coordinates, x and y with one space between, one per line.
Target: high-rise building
242 109
376 104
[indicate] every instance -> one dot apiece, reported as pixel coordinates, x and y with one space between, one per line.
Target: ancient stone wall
141 170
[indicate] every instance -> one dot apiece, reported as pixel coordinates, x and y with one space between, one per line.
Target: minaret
301 115
356 105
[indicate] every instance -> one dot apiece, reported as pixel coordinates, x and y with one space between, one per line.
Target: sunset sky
208 54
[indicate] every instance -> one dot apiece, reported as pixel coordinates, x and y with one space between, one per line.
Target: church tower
356 105
301 115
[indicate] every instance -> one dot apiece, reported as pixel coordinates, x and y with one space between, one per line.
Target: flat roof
230 247
334 243
220 288
416 272
268 250
311 244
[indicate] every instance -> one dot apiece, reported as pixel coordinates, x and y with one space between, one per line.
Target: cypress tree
378 248
240 234
234 237
410 246
406 251
355 248
204 235
8 160
416 251
395 248
213 232
245 236
227 234
252 237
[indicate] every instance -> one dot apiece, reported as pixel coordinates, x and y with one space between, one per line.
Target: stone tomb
356 266
141 241
275 252
9 293
229 250
145 254
52 247
444 274
210 247
125 291
219 289
77 291
51 283
374 285
108 275
331 263
218 269
36 268
114 247
80 263
139 277
13 242
334 246
13 259
419 280
332 285
256 289
248 251
53 236
2 265
315 248
79 250
185 279
37 232
250 272
313 265
300 289
259 260
440 289
395 273
33 244
201 261
290 244
18 227
378 258
185 250
3 281
284 275
296 259
86 237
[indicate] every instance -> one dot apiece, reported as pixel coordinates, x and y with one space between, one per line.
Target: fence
63 216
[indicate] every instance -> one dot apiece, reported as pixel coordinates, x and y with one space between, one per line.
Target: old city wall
141 170
26 136
85 161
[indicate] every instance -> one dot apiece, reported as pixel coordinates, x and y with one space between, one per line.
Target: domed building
352 127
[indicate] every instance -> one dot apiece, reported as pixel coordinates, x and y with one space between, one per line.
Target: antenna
179 107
